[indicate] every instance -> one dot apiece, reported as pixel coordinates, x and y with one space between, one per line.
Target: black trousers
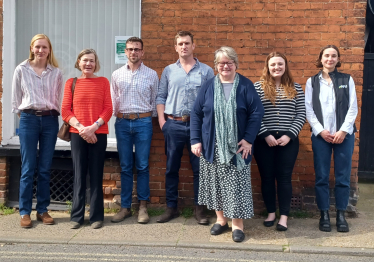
276 163
88 159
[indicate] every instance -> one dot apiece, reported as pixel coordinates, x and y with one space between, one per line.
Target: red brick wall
254 28
4 179
297 28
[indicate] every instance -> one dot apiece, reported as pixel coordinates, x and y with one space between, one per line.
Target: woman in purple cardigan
224 123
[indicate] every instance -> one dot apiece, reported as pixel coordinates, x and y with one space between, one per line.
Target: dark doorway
366 155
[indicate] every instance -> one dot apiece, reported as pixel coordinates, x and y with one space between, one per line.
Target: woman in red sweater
88 111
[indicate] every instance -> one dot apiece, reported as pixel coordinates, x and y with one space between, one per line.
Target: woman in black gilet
331 110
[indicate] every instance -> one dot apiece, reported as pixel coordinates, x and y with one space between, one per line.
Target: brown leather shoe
121 215
26 221
200 216
46 218
169 214
143 217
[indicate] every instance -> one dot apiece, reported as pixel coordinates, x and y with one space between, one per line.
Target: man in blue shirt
178 88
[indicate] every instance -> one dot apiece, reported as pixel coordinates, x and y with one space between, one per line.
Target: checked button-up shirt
134 92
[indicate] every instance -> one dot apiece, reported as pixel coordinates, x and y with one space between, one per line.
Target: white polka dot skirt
224 188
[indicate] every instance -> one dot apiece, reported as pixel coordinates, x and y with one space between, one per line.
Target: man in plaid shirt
133 90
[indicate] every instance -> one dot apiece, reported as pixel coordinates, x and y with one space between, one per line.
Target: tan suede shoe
26 221
46 218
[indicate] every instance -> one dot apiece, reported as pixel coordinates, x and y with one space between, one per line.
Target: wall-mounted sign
120 42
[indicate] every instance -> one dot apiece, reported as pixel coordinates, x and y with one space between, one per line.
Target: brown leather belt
134 116
41 112
184 118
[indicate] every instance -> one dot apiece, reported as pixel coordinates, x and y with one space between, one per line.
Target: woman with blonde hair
277 143
36 98
88 111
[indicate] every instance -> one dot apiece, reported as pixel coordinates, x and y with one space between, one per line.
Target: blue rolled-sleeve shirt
178 90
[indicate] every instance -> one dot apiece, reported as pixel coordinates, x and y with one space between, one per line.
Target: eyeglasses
222 64
133 49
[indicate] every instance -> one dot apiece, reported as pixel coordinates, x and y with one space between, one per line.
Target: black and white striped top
287 115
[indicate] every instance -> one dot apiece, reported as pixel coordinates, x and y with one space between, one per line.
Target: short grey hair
227 51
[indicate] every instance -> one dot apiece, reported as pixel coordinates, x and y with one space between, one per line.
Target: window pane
73 25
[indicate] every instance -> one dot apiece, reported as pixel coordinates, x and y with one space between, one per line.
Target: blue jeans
136 132
177 135
342 169
33 130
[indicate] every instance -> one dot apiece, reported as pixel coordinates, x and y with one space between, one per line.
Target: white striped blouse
287 115
31 91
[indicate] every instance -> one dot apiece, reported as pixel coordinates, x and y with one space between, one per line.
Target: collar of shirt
127 67
324 81
26 64
197 64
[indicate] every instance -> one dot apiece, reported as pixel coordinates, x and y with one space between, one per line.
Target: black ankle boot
341 223
324 221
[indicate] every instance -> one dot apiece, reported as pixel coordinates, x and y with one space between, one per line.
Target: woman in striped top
92 109
36 98
277 145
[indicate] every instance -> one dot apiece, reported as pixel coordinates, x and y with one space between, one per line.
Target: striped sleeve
299 119
263 132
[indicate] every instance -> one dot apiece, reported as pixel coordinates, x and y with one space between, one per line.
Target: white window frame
9 64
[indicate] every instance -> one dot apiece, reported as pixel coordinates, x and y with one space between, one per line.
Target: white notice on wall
120 42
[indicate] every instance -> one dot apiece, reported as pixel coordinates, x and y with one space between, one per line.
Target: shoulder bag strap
72 91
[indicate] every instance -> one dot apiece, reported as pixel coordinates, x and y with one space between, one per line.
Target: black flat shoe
281 228
324 221
341 223
238 235
269 223
217 229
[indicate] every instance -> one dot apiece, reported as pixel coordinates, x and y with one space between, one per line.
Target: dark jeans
276 163
342 168
136 132
88 159
177 135
33 130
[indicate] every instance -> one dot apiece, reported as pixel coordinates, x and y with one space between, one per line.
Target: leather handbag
64 133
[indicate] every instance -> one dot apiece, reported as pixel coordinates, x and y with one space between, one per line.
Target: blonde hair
86 52
228 52
268 83
51 58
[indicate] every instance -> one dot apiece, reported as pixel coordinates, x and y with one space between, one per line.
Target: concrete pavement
302 235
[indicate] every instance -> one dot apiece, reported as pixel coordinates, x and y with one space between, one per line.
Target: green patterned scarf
226 123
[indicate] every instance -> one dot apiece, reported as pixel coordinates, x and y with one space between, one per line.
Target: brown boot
121 215
169 214
26 221
143 217
45 217
200 216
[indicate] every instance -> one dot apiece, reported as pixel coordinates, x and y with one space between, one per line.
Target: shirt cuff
16 111
290 135
345 127
317 129
264 135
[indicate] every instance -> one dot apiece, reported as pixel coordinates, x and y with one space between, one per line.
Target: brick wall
4 179
254 28
297 28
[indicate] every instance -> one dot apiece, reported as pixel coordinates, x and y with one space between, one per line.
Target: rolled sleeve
163 88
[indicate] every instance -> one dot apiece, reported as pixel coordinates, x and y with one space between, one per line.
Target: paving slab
192 232
130 230
10 230
255 233
305 232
